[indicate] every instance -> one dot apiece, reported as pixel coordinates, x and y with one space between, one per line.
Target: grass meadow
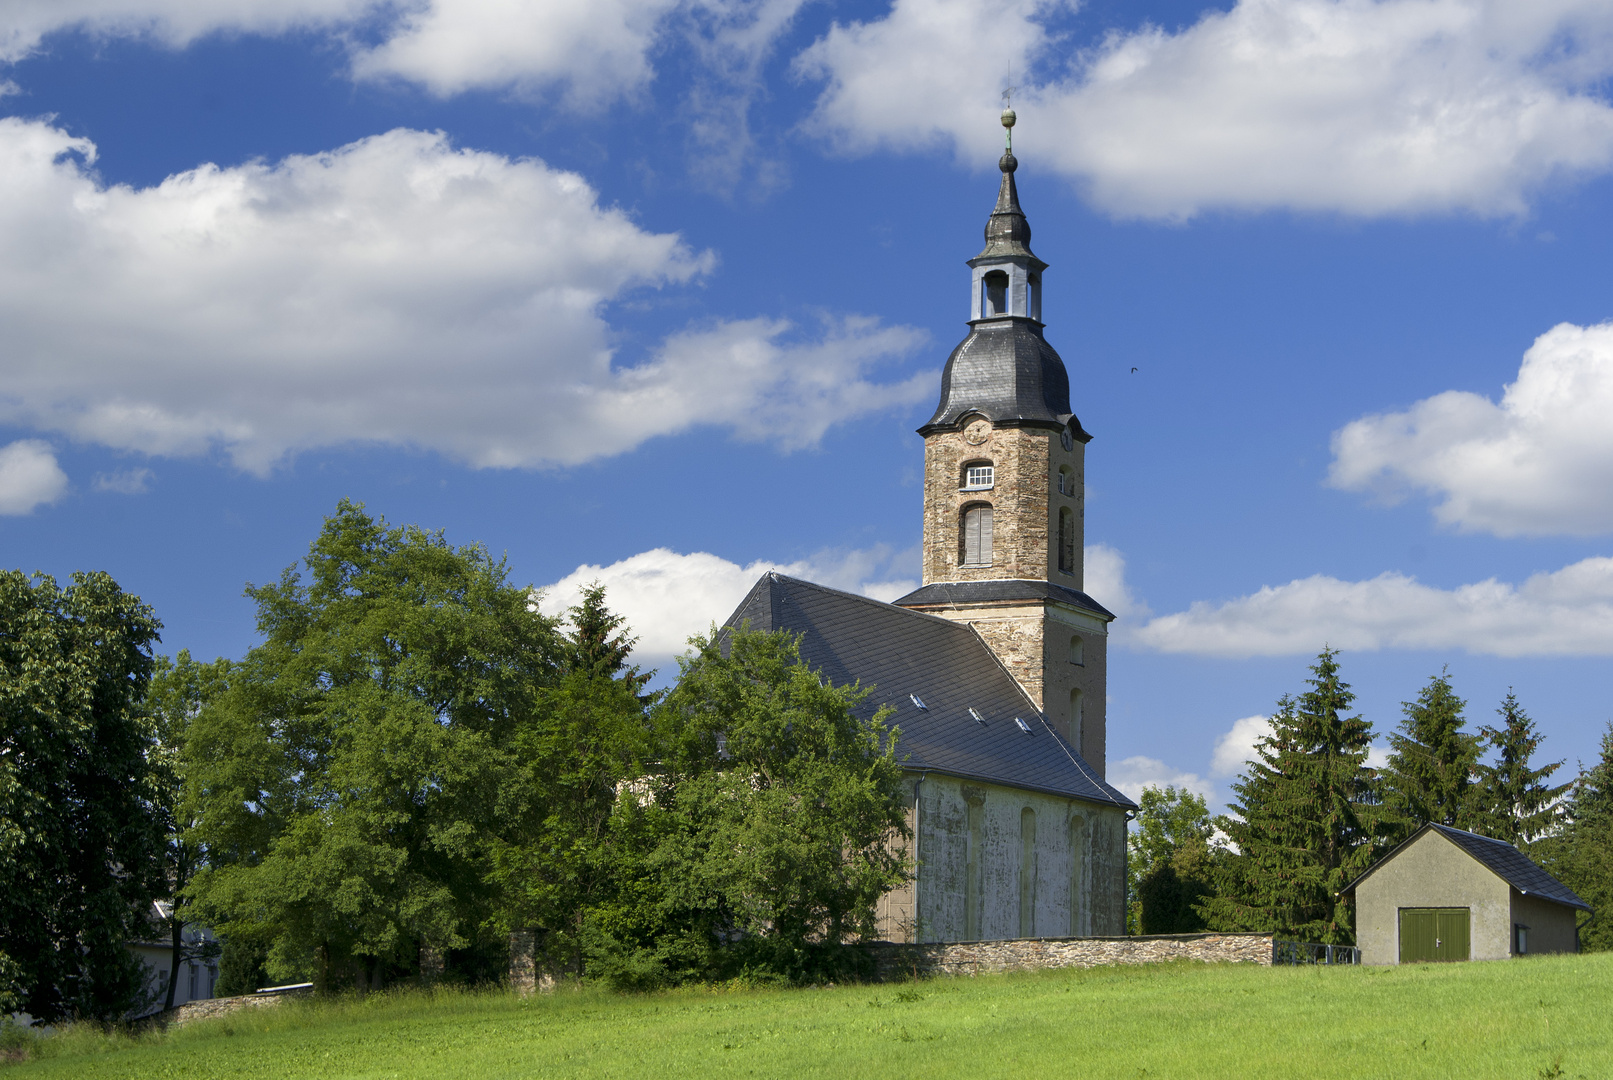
1520 1019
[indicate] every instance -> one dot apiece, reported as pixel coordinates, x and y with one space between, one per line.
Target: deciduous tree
772 827
1170 863
80 841
346 779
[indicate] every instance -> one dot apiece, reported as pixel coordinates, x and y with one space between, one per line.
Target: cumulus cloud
24 24
667 596
124 482
1363 107
1236 748
1538 463
596 52
1568 612
29 477
1133 774
397 290
1104 579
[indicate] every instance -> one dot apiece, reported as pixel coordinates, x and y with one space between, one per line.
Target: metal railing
1310 952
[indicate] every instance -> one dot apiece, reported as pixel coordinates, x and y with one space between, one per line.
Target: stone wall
895 961
208 1008
1023 498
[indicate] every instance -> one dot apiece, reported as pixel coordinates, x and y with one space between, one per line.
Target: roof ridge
865 599
1475 835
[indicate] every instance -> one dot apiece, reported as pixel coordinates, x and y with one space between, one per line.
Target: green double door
1434 934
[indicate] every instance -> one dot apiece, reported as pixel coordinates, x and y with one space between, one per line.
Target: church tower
1004 483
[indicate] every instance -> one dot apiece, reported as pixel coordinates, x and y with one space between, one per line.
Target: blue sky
656 291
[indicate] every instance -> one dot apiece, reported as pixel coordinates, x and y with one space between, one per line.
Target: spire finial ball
1009 116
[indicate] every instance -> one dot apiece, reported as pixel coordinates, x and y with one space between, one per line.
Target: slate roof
1501 858
1005 369
850 638
972 592
1008 233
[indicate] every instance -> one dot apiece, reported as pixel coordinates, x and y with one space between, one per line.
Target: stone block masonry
208 1008
893 961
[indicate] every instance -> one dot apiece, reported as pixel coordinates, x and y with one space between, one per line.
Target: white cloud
25 23
1133 774
1365 107
1538 463
1235 749
667 597
124 482
29 477
595 52
396 290
1104 579
598 48
1568 612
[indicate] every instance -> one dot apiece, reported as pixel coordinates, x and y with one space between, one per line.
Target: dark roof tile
854 639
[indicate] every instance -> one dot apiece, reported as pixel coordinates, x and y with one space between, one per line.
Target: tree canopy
80 842
1303 824
1433 768
345 779
1170 863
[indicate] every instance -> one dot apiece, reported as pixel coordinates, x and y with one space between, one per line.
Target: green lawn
1520 1019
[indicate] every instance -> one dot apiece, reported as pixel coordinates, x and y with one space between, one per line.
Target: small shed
1446 894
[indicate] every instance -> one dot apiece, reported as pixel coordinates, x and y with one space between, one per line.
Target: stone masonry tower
1004 460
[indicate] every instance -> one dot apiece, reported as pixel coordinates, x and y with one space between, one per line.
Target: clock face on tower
977 431
1067 439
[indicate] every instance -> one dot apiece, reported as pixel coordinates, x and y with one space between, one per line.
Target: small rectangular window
979 477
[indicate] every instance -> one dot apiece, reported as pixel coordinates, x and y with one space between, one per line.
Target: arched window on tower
1066 540
1077 653
1076 719
994 294
975 542
1033 297
1067 481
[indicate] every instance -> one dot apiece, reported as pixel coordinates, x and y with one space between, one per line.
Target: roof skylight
1026 728
976 714
919 702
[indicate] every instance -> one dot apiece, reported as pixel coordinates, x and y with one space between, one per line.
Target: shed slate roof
850 638
1501 858
973 592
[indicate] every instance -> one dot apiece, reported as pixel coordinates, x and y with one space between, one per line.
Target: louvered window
1066 541
977 536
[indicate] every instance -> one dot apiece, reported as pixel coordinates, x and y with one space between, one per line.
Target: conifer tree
597 646
1300 824
1433 767
1518 804
1580 854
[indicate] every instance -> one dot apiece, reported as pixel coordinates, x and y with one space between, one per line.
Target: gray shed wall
1551 925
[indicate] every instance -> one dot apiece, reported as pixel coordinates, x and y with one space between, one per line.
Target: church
995 665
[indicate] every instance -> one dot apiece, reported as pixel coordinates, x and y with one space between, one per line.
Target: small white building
1446 894
197 978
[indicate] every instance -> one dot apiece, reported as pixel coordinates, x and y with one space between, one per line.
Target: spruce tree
1518 804
1580 853
597 646
1432 770
1301 825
